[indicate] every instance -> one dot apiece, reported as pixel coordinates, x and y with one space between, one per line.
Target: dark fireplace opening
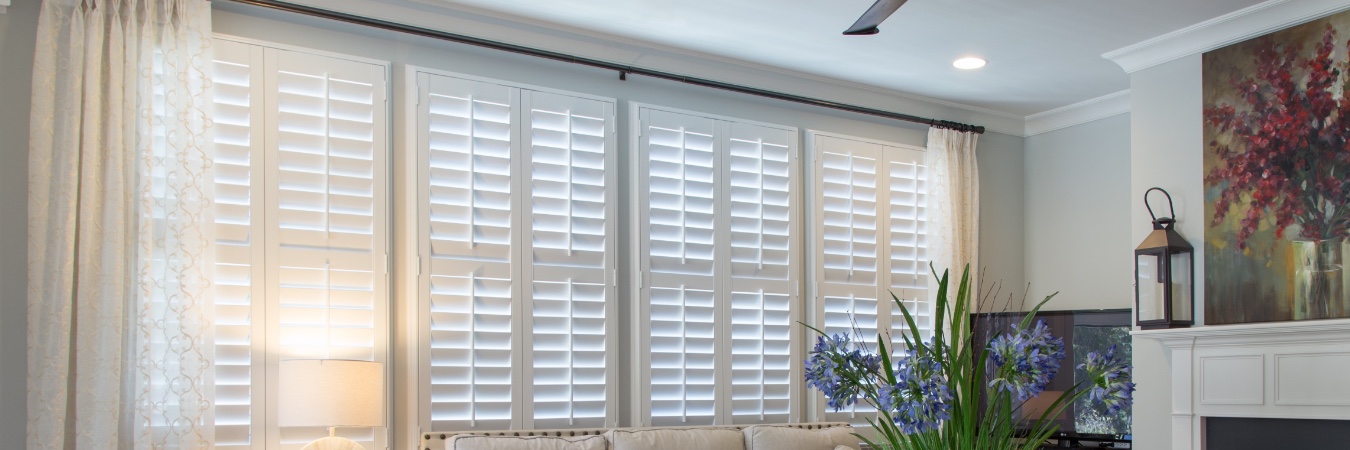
1230 433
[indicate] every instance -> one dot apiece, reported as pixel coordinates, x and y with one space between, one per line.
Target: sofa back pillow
786 437
706 438
472 442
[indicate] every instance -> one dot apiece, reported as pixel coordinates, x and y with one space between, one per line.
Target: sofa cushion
784 437
472 442
676 439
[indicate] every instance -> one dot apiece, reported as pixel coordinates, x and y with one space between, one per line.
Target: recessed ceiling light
969 63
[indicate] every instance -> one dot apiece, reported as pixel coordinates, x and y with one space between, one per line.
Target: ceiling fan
867 24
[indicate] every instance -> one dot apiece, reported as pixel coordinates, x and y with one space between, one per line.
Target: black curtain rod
622 69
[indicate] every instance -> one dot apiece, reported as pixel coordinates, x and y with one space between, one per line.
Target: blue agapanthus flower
919 400
1110 377
1031 357
832 362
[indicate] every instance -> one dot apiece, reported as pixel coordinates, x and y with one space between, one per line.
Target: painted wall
1166 143
1002 210
18 34
1077 216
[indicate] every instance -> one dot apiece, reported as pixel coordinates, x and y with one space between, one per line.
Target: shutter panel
518 213
469 214
763 259
871 236
238 280
326 211
569 259
681 186
721 269
850 187
909 271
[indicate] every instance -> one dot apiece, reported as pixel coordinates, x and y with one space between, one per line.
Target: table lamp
331 393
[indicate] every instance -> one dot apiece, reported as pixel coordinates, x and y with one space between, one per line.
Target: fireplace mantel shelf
1249 330
1292 370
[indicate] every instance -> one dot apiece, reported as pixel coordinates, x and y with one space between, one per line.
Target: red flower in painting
1289 153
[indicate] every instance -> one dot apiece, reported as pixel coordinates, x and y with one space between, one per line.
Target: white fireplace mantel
1289 370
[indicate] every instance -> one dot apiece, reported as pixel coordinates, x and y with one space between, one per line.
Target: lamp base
333 443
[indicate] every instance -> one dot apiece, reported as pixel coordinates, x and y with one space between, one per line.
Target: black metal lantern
1164 274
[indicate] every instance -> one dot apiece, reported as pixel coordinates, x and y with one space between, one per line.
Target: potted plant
928 395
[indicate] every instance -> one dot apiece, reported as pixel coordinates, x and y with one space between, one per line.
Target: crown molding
1108 105
1237 26
531 33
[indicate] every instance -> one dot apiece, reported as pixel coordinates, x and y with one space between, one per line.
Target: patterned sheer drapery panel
954 203
120 227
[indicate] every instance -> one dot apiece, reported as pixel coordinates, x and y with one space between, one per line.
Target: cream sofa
797 436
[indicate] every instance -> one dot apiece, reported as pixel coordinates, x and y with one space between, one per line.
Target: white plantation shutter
718 270
517 208
908 228
239 285
326 215
301 229
681 286
764 261
569 255
469 238
868 241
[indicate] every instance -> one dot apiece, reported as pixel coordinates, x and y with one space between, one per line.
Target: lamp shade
331 393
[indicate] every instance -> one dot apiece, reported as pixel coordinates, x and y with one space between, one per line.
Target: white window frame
640 266
815 234
265 330
410 165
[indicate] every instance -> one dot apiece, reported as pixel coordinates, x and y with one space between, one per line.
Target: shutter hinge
417 94
419 264
614 277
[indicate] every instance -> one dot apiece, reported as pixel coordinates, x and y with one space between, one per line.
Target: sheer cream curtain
120 226
953 203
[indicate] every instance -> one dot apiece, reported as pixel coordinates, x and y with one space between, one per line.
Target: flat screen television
1083 331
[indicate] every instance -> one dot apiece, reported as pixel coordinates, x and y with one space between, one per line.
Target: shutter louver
682 187
326 202
570 218
238 281
721 270
470 216
762 264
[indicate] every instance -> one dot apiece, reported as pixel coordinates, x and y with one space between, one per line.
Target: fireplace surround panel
1285 370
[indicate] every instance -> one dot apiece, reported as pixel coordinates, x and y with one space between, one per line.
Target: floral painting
1277 175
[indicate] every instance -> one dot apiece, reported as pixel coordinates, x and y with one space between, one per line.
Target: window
301 218
516 198
868 235
718 265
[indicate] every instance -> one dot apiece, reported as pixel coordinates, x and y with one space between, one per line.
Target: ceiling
1043 54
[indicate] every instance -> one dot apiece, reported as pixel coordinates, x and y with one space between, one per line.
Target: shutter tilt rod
623 70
